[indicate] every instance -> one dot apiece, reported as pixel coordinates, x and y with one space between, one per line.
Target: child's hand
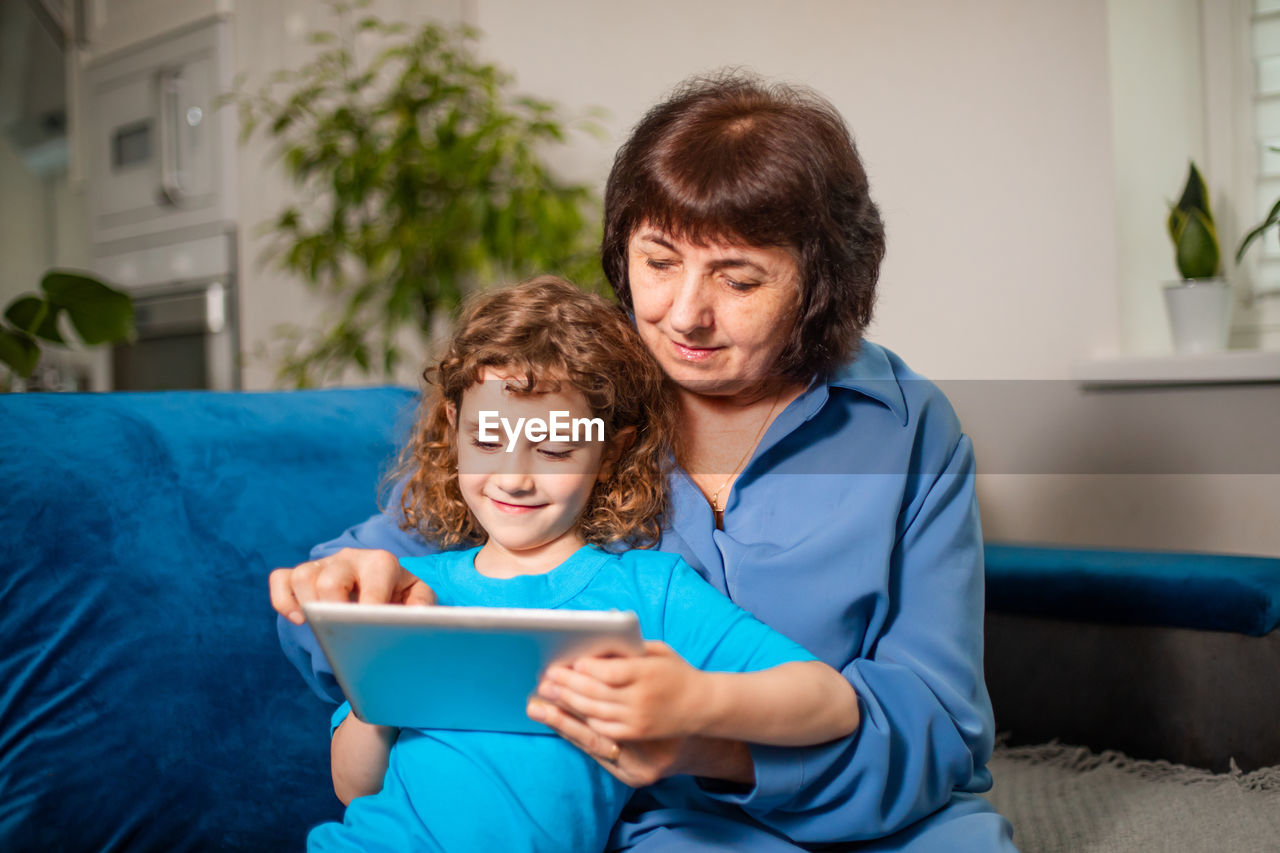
656 695
358 756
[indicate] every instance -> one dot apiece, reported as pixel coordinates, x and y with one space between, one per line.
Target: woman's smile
692 353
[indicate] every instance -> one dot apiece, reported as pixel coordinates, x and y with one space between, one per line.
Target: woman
821 485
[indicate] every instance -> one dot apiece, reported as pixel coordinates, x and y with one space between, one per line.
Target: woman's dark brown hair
730 158
546 332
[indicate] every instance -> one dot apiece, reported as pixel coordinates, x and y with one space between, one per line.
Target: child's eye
555 454
485 445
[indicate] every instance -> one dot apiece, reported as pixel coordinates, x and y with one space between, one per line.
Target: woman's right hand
643 762
352 574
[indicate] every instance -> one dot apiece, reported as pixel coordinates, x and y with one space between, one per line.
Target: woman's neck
719 434
707 418
763 393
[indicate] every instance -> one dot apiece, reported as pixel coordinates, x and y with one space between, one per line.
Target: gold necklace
715 496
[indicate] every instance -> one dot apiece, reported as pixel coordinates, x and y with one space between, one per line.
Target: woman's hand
644 721
644 762
637 764
352 574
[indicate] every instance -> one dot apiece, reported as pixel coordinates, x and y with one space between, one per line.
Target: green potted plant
98 314
423 175
1199 305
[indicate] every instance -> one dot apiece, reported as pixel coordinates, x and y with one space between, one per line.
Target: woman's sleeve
379 532
927 727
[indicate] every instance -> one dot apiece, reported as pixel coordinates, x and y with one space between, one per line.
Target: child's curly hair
547 331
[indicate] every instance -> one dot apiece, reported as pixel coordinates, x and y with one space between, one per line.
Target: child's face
529 498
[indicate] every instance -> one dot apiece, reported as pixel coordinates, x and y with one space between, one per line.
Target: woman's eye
741 286
658 264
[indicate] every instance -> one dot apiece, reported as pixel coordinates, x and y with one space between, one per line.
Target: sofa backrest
144 700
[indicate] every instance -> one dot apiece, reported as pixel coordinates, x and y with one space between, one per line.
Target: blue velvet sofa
144 701
1159 655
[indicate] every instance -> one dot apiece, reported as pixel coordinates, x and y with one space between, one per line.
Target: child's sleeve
339 715
714 634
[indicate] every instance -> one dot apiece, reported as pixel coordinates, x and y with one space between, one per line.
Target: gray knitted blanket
1063 799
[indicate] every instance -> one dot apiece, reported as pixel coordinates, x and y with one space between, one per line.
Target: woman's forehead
721 248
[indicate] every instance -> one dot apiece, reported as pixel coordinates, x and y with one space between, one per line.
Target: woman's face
717 317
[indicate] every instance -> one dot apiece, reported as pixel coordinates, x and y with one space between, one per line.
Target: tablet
457 667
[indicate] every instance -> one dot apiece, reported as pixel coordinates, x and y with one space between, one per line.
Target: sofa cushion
144 700
1211 592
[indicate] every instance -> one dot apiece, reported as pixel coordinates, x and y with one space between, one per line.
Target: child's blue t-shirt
459 791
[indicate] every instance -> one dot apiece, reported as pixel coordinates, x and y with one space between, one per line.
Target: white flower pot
1199 314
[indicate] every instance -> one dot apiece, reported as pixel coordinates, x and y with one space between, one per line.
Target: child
548 520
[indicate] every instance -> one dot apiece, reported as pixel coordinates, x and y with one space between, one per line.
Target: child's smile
529 498
504 506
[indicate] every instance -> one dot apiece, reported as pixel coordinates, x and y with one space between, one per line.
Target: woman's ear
451 412
622 440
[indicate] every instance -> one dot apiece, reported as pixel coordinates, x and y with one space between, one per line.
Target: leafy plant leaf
1175 223
1197 247
34 316
100 314
1272 218
19 351
1195 195
1190 226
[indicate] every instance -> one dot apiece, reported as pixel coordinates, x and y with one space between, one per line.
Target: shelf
1230 367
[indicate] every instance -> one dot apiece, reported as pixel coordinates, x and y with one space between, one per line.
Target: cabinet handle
169 83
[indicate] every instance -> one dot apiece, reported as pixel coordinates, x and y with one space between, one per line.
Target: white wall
1021 153
1158 115
23 241
985 126
996 185
1023 199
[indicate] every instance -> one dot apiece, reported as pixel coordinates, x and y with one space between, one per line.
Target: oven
186 339
185 314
